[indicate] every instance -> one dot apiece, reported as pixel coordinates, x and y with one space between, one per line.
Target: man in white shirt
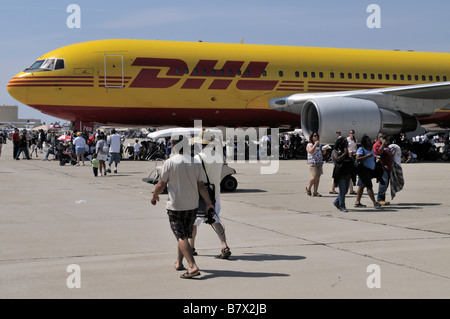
184 180
114 150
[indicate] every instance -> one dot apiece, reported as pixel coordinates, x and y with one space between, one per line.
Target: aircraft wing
388 110
390 97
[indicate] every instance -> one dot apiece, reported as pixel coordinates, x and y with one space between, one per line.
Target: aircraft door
113 71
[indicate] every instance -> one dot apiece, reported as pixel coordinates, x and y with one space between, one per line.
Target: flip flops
188 275
308 191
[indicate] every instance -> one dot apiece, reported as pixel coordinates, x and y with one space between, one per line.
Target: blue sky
30 28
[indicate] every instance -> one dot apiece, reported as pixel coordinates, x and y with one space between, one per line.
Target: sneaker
77 164
377 205
336 205
343 209
108 170
384 203
115 171
360 205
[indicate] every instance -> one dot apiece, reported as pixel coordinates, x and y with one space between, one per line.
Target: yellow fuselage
145 82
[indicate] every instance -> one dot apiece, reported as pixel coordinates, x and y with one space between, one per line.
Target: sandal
308 191
333 192
317 195
360 205
188 275
225 253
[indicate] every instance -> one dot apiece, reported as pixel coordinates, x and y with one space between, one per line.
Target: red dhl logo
149 77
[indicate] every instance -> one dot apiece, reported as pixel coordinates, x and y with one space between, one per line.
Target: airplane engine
326 116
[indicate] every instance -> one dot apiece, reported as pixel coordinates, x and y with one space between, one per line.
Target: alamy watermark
374 19
374 279
74 19
250 145
74 279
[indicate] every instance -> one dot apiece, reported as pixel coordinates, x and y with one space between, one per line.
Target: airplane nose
16 89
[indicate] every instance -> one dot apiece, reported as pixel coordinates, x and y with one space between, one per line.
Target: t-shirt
94 162
114 143
369 162
182 173
79 142
213 167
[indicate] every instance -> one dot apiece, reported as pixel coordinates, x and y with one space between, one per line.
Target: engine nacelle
326 116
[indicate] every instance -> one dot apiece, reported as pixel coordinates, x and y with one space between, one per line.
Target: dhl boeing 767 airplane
149 83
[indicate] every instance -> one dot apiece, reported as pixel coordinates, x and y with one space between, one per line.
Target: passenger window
402 77
297 74
342 75
438 78
332 75
313 74
409 78
305 74
365 76
280 74
394 77
372 76
431 78
321 75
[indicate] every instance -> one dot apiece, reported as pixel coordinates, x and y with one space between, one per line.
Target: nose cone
17 88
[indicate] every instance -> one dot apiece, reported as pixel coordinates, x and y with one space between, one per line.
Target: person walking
366 171
344 172
184 180
80 148
212 160
101 149
23 145
315 162
383 154
114 150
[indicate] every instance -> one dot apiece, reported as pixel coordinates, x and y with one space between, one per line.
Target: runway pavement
284 243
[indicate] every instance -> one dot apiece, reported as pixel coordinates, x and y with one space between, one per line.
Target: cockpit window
46 65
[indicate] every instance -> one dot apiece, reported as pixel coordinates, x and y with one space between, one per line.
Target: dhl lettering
148 77
206 68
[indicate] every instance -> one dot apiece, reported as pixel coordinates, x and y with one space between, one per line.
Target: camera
209 216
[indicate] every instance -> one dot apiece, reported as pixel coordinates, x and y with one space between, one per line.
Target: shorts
182 222
114 157
200 219
316 169
79 150
102 157
365 176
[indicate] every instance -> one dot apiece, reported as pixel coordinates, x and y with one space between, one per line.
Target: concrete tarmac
284 243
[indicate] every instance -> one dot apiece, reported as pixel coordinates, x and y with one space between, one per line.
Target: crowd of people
425 147
357 164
